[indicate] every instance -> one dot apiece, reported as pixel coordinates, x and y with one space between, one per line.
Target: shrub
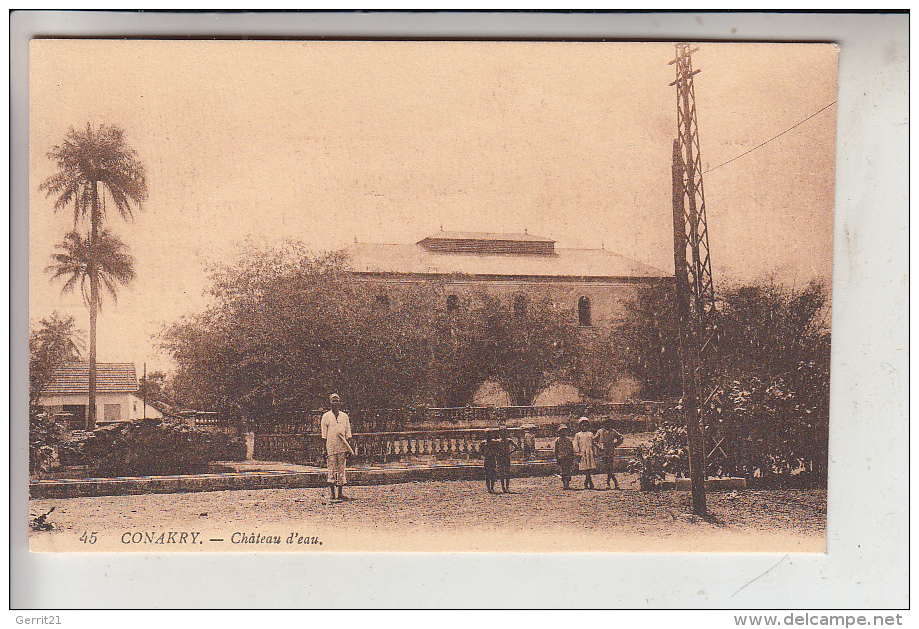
667 454
44 434
151 448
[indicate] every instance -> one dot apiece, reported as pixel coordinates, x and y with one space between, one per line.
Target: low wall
380 447
630 417
270 480
461 445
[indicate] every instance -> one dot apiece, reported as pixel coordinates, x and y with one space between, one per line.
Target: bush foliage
44 435
150 448
54 342
771 402
285 328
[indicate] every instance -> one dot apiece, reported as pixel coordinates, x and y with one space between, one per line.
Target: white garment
335 430
584 447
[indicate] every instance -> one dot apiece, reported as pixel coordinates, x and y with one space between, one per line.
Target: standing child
609 439
504 447
564 455
489 460
529 441
584 448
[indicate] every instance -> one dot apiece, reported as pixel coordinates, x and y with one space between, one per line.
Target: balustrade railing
381 447
633 415
385 447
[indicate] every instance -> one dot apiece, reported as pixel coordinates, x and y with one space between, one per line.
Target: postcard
315 296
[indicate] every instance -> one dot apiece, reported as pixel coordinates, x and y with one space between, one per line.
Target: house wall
131 406
137 409
56 404
607 297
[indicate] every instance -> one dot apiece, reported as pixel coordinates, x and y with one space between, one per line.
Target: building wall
130 406
607 297
137 409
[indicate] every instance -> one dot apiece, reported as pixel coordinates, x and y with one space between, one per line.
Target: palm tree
85 160
81 261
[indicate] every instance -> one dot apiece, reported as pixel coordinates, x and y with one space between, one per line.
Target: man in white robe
336 430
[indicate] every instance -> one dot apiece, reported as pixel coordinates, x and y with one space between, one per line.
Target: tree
55 342
91 163
646 344
776 374
154 388
529 345
771 403
286 327
79 261
460 357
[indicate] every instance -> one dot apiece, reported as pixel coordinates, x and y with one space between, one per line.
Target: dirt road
438 516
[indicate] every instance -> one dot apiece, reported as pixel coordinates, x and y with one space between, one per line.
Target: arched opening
452 303
382 301
584 311
520 306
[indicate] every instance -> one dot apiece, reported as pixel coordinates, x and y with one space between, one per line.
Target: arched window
382 301
452 303
520 306
584 311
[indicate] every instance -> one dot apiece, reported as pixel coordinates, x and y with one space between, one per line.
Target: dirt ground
538 516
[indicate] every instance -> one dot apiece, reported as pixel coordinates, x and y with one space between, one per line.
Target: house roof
73 379
512 237
415 259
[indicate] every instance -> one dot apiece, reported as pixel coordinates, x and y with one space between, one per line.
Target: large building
593 285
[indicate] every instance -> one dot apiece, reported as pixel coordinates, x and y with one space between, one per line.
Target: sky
329 142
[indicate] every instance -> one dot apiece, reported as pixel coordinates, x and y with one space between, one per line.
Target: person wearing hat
564 455
609 439
584 449
336 430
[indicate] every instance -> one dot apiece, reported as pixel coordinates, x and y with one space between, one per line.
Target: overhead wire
770 139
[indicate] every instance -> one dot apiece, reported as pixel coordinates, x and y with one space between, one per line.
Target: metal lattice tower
698 258
693 273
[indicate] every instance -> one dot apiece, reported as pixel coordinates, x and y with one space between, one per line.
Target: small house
117 394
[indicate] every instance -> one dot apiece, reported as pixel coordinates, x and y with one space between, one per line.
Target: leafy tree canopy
286 327
772 381
54 342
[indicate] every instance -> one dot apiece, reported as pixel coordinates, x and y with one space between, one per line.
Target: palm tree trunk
91 416
93 304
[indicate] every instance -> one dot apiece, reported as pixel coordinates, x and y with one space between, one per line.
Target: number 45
88 538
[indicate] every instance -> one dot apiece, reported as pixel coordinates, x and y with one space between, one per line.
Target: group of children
496 456
593 454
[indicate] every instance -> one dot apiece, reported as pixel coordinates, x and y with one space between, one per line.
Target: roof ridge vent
485 243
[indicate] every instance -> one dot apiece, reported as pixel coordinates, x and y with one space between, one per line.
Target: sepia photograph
482 296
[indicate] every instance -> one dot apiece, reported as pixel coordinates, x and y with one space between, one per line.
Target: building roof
415 259
510 237
73 379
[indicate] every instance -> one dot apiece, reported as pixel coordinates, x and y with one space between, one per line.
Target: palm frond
92 156
76 260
